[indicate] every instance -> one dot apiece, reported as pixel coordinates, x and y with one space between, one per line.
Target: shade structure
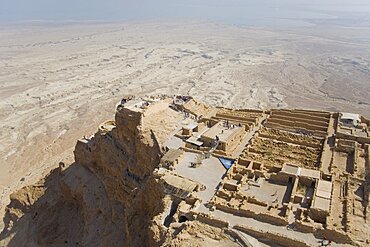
227 163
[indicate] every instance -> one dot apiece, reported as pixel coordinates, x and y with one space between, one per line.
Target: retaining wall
298 124
302 118
288 140
260 216
334 235
309 112
210 220
293 128
299 120
359 139
234 117
272 236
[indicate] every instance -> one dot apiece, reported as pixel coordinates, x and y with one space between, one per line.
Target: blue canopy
227 163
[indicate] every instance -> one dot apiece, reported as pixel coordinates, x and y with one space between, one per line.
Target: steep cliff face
108 197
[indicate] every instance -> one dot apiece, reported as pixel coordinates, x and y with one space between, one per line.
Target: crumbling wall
346 146
367 185
335 235
305 111
235 116
359 139
244 211
306 227
210 220
297 124
290 127
317 120
272 236
314 143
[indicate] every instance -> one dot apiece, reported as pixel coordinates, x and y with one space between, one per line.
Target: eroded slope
106 198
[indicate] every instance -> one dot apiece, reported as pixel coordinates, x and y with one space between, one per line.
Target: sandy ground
58 82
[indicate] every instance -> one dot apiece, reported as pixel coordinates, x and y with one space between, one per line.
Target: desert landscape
173 171
58 82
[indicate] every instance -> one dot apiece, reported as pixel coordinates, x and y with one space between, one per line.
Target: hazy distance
239 12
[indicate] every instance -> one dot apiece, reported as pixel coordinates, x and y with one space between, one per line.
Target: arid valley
58 82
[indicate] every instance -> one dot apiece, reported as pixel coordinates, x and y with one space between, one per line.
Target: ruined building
176 172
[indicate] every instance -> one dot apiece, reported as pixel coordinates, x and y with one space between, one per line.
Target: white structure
350 119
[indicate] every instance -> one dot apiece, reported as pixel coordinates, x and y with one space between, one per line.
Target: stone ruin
292 177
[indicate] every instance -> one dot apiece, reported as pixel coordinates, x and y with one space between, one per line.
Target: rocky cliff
108 197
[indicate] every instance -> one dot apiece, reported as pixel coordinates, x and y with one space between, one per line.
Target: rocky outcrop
108 197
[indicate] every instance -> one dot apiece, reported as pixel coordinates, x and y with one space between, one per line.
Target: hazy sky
234 11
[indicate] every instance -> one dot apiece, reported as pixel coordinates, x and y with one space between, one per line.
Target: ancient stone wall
359 139
272 237
245 212
297 124
210 220
315 120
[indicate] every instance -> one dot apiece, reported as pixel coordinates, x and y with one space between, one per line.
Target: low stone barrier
210 220
362 140
304 116
298 124
261 216
272 236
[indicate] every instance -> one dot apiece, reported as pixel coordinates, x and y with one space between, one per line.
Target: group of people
188 115
229 125
325 242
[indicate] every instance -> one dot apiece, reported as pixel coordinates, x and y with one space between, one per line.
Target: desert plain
58 82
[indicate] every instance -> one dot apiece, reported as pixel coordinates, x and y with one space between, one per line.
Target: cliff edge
108 197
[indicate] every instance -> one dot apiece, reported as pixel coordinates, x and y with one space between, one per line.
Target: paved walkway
328 144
